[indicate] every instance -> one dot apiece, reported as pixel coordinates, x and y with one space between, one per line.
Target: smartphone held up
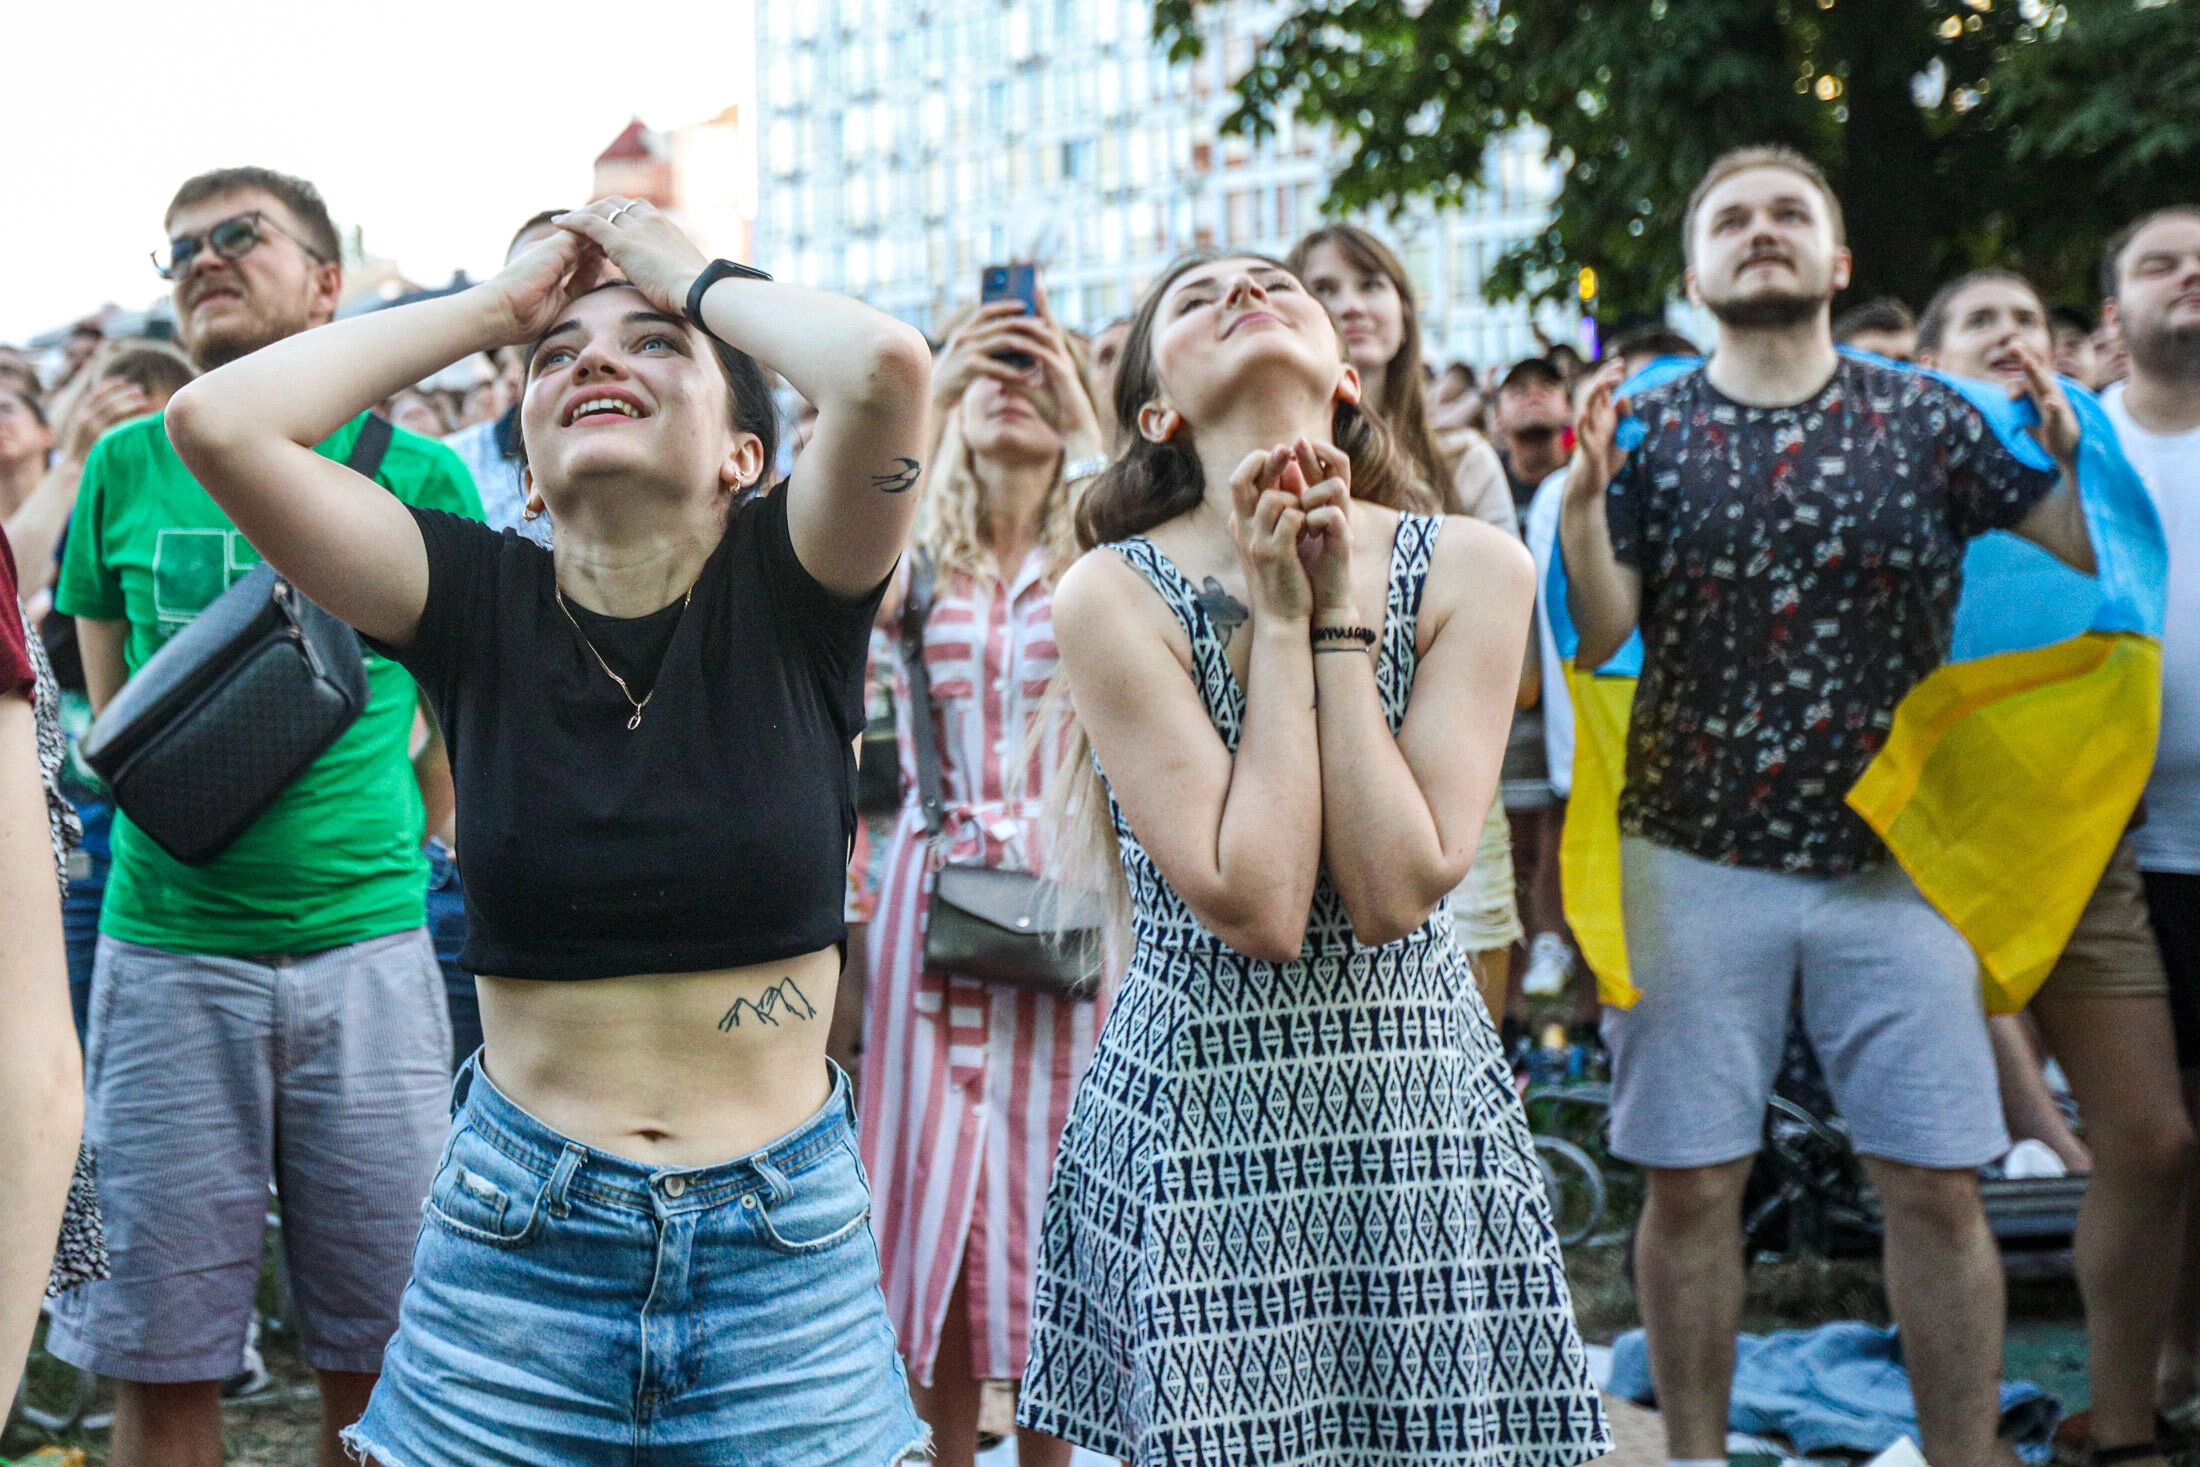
1011 283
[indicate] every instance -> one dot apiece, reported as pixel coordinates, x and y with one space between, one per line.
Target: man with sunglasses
277 1011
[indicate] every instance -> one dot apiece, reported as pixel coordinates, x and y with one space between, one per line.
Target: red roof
635 145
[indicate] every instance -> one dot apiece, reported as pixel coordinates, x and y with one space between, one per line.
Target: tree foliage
2017 132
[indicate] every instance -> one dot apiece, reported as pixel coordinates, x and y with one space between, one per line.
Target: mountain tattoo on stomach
784 997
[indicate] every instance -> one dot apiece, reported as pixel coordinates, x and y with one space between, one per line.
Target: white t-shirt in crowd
2170 465
1558 704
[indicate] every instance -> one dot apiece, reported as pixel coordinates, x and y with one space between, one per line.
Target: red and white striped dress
966 1085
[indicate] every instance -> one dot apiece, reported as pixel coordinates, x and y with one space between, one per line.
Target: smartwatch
714 272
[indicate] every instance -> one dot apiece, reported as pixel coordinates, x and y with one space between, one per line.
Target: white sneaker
2030 1158
1550 965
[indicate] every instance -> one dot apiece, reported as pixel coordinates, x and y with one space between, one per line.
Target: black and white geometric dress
1296 1217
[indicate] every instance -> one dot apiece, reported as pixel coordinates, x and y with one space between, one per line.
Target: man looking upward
1789 537
289 977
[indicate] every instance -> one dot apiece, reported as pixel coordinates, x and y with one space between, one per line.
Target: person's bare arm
41 1071
1402 815
99 645
1239 839
1603 596
247 433
36 527
849 504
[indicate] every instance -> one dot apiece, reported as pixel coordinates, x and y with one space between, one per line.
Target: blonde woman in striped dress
966 1085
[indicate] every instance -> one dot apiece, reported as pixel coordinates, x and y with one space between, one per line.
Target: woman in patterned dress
966 1084
1296 1217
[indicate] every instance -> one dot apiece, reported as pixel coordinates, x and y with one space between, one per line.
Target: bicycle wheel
1575 1188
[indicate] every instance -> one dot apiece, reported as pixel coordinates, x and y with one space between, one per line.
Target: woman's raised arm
247 430
1401 816
1237 837
849 503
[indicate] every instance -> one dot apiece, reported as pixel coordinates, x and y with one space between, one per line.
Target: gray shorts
1889 994
206 1077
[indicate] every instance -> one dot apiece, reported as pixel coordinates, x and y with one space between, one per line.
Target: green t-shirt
337 858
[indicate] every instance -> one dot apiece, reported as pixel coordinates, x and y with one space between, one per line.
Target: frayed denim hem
360 1450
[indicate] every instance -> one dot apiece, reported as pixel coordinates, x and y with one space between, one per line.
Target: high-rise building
905 144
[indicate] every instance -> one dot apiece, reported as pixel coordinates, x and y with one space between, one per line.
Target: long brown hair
1152 483
1404 402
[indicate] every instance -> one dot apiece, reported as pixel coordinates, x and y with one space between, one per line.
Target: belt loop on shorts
845 1089
462 1083
775 1181
562 1177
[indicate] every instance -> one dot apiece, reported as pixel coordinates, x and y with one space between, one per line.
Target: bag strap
916 607
368 448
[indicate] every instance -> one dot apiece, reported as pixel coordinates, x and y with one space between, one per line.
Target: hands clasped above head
612 239
1291 520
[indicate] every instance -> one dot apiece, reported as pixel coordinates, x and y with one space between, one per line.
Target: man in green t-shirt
276 1012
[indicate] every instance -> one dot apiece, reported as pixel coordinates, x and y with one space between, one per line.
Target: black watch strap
714 272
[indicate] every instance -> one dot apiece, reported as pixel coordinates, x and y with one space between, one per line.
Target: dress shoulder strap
1410 554
1218 685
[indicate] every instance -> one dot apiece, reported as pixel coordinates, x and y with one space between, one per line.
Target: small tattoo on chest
1224 612
783 997
897 480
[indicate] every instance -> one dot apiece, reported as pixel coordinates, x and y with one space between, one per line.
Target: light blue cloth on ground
1839 1387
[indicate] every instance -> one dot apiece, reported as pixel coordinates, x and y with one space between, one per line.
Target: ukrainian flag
2010 773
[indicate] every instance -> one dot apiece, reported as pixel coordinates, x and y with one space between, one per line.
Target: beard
2161 350
1769 310
219 348
225 342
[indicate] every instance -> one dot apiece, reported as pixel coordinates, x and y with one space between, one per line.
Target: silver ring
613 216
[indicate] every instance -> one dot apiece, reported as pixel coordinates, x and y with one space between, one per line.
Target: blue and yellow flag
2010 773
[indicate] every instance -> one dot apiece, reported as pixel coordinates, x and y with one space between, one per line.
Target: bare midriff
667 1069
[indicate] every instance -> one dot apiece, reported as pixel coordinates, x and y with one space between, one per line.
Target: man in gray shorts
277 1012
1788 534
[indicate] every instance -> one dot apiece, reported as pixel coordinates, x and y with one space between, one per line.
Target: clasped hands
1290 516
610 240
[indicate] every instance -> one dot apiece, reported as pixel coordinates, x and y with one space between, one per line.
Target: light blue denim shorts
574 1307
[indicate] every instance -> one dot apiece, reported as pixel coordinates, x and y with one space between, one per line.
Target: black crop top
713 836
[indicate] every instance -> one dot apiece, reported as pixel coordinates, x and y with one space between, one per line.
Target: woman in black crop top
648 1228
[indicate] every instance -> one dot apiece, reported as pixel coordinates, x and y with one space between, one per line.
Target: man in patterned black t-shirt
1789 536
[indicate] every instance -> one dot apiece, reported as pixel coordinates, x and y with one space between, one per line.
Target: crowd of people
640 1079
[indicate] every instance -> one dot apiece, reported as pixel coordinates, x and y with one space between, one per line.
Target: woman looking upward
966 1084
649 1226
1297 1159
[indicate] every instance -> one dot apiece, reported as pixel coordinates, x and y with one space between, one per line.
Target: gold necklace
624 691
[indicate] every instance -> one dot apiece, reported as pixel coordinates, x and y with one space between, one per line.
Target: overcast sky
437 125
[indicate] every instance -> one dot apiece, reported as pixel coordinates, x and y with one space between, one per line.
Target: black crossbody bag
1000 926
226 716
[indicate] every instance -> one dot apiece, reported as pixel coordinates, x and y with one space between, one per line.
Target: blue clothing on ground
1839 1387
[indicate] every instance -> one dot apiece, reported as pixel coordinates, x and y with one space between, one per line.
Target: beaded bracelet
1365 636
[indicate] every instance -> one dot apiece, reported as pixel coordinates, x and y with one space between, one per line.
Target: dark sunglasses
233 238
